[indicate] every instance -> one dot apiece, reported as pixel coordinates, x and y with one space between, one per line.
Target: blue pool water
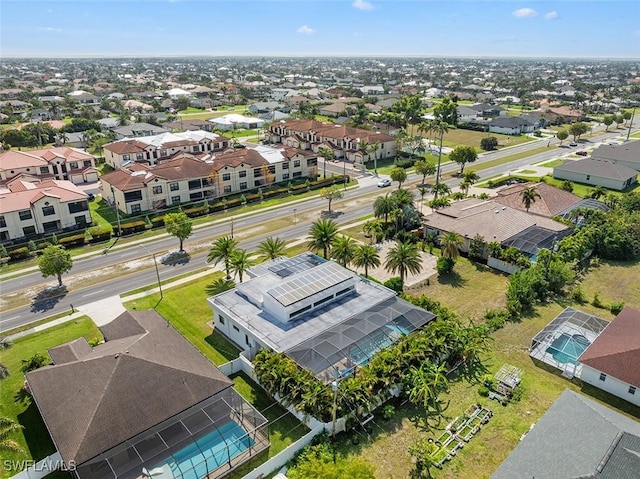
209 452
377 342
568 348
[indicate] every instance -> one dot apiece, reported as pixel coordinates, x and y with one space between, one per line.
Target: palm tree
222 249
8 426
431 239
4 344
321 236
271 248
470 177
403 198
343 249
240 262
440 189
423 191
529 196
403 258
450 243
383 206
598 192
327 154
372 229
440 127
366 256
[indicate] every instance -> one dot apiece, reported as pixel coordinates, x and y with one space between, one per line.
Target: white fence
502 265
41 468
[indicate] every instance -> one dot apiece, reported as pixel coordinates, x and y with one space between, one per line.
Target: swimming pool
567 348
209 452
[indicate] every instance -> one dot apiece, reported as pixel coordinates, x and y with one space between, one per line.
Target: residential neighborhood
318 266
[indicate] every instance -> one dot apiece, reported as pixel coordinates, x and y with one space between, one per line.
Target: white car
384 183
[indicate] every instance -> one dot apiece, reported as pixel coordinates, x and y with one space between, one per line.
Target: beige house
150 149
60 163
187 177
30 209
346 142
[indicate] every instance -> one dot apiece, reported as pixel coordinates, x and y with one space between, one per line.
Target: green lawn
192 324
507 159
190 110
552 163
14 404
284 427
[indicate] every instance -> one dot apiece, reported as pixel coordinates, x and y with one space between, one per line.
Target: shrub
19 253
395 284
132 227
483 391
75 240
157 222
43 245
388 411
616 306
489 143
518 393
100 234
31 245
578 295
495 319
596 300
444 265
3 251
199 211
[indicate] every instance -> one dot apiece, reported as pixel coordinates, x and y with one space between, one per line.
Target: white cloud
525 13
362 5
551 15
306 30
50 29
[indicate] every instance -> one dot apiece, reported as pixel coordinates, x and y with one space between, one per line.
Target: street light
232 219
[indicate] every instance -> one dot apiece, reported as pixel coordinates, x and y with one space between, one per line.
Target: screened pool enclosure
207 440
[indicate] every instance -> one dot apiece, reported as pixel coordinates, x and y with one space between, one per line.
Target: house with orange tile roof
28 210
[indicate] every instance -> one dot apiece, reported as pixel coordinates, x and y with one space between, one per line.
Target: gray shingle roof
629 152
570 441
598 167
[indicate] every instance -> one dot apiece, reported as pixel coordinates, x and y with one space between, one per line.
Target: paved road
27 314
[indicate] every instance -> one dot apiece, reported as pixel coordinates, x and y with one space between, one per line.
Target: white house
612 362
234 121
30 209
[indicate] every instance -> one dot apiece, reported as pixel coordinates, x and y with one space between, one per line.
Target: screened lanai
564 339
205 441
339 350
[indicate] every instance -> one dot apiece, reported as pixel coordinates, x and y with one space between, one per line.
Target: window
80 220
73 165
312 162
25 215
236 328
285 166
221 319
48 210
226 176
3 222
296 163
175 200
78 206
297 174
258 183
86 163
632 390
195 184
174 186
603 377
588 177
126 157
157 190
196 148
243 185
50 226
246 340
227 188
139 156
44 170
135 209
131 196
257 172
163 153
285 176
242 174
196 196
29 230
272 169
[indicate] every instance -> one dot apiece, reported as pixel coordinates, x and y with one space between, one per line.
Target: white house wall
610 384
609 183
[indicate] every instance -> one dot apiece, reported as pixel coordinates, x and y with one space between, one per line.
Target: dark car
91 197
581 153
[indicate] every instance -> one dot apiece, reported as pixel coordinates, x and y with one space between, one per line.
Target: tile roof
14 159
598 167
21 196
616 352
164 140
122 387
492 220
551 202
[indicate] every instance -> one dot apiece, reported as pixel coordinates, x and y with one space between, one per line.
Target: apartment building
59 163
187 177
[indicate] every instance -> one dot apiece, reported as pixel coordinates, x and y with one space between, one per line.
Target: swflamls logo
11 465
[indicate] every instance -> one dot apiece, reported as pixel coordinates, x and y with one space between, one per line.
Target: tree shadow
35 432
330 214
47 299
176 258
452 279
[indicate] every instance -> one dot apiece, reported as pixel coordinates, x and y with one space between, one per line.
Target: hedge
193 212
157 221
76 240
19 253
99 234
132 227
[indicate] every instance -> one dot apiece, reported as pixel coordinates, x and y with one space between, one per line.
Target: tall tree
366 256
463 155
240 262
529 196
383 206
562 135
327 154
178 225
424 168
343 249
55 261
447 111
451 242
578 129
332 193
398 174
321 236
410 107
608 121
440 128
403 258
221 251
271 248
372 229
440 189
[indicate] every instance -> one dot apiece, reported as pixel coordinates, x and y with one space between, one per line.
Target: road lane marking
95 292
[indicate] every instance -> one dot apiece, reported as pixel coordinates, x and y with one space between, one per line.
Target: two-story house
60 163
352 144
31 209
188 177
138 129
151 149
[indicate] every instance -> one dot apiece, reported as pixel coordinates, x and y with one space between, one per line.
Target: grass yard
458 137
284 427
14 404
191 322
387 449
552 163
190 110
470 290
614 281
507 159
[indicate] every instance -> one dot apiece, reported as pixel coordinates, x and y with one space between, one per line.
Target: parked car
573 143
91 197
581 153
384 183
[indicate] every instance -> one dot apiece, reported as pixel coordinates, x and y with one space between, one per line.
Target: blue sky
531 28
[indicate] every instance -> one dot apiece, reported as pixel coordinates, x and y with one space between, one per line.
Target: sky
499 28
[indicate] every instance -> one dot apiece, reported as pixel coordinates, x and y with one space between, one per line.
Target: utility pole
633 114
115 204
